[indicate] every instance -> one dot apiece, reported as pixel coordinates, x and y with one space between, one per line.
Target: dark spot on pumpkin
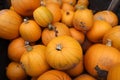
67 13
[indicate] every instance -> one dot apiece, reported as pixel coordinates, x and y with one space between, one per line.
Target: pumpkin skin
57 29
25 7
71 2
99 29
108 16
67 7
14 71
84 77
63 53
83 2
30 31
113 35
43 16
9 24
100 56
83 19
33 60
16 49
58 2
54 75
114 73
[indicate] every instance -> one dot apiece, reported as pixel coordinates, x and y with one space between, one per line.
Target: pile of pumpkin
60 40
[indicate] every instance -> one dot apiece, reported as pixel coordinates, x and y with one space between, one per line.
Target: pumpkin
83 2
25 7
76 71
16 49
114 73
14 71
58 2
99 58
83 19
67 7
67 17
56 11
33 60
9 24
79 36
43 16
63 53
98 30
71 2
113 35
30 30
108 16
84 77
54 30
54 75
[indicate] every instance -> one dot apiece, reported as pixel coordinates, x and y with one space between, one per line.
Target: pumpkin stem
27 45
26 20
109 42
59 47
51 27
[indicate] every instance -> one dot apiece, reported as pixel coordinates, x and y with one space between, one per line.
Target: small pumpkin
30 30
14 71
54 30
43 16
33 60
84 77
10 22
63 53
54 75
25 7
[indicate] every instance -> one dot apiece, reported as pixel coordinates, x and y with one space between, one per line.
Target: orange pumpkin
30 30
71 2
114 73
25 7
54 75
55 30
83 2
84 77
43 16
108 16
9 24
14 71
79 36
16 49
58 2
67 7
114 36
63 52
99 58
98 30
55 10
83 19
33 60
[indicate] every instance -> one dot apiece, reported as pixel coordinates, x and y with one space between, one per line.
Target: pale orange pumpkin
63 53
25 7
114 36
16 48
54 75
33 60
54 30
10 22
114 73
108 16
98 30
84 77
14 71
43 16
30 30
99 58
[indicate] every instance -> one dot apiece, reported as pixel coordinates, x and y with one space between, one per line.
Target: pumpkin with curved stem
84 77
25 7
30 30
10 22
43 16
54 75
33 60
63 53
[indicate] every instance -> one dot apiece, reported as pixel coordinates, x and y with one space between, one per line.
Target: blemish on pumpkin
67 13
23 67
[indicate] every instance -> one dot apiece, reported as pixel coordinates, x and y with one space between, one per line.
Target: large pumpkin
99 58
25 7
30 30
54 75
43 16
33 60
63 52
114 36
9 24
